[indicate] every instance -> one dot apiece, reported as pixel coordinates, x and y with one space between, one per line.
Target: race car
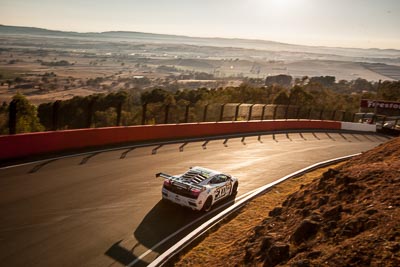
199 188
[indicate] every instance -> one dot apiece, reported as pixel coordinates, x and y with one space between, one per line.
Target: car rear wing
177 183
164 175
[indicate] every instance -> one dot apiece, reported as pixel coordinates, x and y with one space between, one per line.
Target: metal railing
58 116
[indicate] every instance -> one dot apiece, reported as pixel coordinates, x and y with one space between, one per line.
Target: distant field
390 71
11 73
58 65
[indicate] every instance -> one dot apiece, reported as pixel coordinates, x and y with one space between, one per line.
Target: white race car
199 188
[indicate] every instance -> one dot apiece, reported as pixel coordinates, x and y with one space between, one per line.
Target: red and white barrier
362 127
29 144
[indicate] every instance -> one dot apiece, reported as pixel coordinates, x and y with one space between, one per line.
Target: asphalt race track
104 209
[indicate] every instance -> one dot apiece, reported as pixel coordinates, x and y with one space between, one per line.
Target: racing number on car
222 191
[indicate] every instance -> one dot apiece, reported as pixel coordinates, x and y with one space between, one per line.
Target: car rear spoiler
164 175
181 184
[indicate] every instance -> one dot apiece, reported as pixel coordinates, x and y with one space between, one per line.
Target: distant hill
200 41
34 31
138 36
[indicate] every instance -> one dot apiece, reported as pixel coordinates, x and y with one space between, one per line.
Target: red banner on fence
365 103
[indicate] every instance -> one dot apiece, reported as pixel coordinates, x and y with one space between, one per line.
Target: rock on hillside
348 217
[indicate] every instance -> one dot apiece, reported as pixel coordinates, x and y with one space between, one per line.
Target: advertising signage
365 103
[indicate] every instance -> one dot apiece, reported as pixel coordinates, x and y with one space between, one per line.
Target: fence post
343 115
221 115
166 114
55 110
90 113
298 113
12 117
187 113
250 112
320 114
354 117
144 110
205 113
286 112
119 110
333 115
237 111
263 112
274 114
309 113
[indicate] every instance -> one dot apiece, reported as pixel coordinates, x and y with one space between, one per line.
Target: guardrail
23 145
31 144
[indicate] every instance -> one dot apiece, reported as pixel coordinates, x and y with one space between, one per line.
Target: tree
389 91
190 96
361 85
326 81
27 120
170 100
281 79
4 118
154 96
281 99
299 96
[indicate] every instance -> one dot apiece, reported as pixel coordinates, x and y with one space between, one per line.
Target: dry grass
216 248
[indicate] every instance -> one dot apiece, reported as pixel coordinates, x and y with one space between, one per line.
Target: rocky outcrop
348 217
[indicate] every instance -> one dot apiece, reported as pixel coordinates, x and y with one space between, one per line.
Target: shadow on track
154 151
330 137
163 226
87 158
163 219
122 255
316 136
166 218
123 155
41 165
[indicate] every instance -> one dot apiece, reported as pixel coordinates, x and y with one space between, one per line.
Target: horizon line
203 37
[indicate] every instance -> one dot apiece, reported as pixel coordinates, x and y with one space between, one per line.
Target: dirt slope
350 216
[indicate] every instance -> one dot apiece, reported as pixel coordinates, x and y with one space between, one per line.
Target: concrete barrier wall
23 145
363 127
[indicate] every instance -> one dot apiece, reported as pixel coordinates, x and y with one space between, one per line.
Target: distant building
281 79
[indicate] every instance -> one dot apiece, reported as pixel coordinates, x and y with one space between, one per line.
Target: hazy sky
347 23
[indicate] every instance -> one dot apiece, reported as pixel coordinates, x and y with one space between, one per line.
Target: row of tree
134 106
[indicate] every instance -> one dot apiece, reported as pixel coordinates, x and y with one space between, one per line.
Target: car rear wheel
234 189
207 205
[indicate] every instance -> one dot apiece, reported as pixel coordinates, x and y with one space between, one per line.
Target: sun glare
280 6
281 3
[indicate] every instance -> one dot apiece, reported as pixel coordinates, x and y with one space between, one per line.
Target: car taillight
195 192
167 183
